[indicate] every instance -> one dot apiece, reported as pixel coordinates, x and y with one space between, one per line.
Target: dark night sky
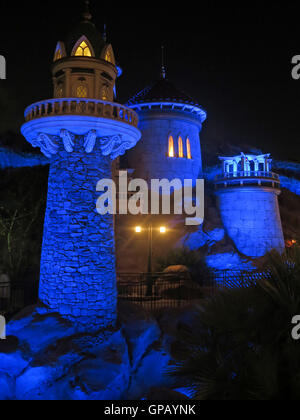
236 61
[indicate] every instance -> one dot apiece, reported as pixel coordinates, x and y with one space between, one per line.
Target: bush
240 345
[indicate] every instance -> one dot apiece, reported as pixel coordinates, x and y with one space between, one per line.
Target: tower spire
87 14
104 35
163 67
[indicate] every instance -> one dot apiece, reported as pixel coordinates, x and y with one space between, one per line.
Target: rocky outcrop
46 358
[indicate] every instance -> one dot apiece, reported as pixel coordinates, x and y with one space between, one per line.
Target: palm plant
240 345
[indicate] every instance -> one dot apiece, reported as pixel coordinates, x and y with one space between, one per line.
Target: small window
108 56
104 93
59 92
59 89
180 147
81 91
171 147
83 50
58 55
188 149
59 52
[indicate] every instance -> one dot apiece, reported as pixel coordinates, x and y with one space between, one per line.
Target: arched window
108 56
171 147
60 51
83 50
188 149
180 147
81 91
58 54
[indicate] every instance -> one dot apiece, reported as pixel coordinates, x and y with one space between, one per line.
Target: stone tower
82 130
247 193
170 122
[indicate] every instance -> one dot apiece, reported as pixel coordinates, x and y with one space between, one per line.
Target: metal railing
228 279
85 107
159 290
247 174
152 291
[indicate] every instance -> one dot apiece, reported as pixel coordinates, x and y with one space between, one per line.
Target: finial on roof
87 14
104 35
163 67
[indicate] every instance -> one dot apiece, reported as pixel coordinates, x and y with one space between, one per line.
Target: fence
153 291
15 296
231 279
159 290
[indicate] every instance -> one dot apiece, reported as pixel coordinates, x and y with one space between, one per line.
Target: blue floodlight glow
10 159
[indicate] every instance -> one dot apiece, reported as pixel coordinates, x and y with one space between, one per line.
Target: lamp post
162 230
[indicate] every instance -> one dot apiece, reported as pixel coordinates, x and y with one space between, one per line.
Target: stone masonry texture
78 277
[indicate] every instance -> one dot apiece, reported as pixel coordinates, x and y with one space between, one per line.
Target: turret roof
162 90
89 30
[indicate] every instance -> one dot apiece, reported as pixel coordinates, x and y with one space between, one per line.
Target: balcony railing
247 174
247 178
85 107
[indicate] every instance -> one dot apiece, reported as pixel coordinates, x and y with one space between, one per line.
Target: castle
82 130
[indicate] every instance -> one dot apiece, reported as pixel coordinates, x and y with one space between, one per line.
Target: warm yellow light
108 57
83 50
171 147
58 55
138 229
82 91
188 149
162 229
180 147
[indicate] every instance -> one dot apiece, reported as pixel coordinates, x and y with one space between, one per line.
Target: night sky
235 61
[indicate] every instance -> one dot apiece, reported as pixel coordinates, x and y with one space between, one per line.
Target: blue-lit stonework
164 112
78 257
247 193
81 131
78 277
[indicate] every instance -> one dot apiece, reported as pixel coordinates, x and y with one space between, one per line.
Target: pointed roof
162 90
164 94
88 29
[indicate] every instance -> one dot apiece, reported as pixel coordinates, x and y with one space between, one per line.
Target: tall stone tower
247 194
81 130
170 122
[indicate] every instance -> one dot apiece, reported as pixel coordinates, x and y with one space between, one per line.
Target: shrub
240 346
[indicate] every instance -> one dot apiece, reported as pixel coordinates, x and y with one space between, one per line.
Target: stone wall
252 220
150 157
78 258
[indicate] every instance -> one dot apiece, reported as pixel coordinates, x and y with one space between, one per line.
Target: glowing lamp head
138 229
162 229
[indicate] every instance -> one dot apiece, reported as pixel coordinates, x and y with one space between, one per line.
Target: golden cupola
84 64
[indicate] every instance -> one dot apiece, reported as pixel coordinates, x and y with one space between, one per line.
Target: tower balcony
83 107
57 118
247 178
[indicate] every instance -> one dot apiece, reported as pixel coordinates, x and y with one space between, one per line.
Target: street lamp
162 230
